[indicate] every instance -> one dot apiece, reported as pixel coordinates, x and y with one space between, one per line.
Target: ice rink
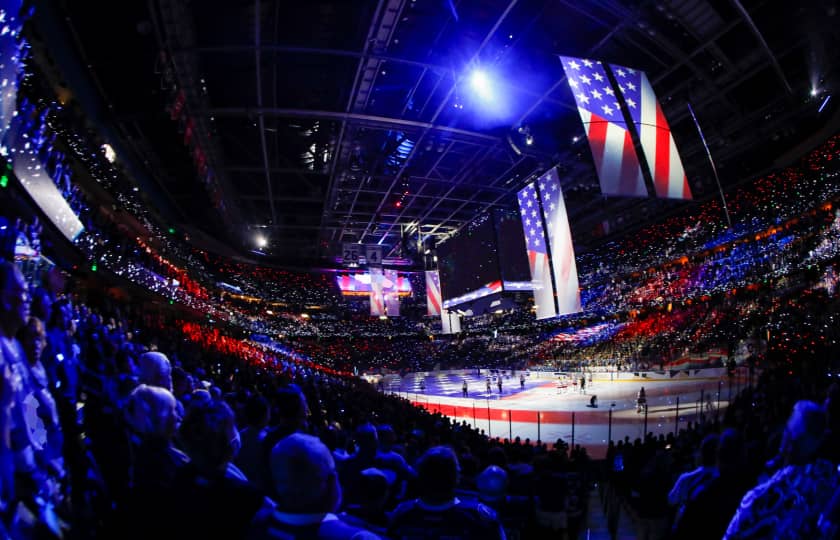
551 407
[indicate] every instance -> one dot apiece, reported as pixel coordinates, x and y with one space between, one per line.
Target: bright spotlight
262 241
110 155
481 84
814 91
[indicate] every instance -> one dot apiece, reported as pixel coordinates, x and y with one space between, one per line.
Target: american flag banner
392 294
377 298
619 172
666 168
491 288
560 241
433 297
537 248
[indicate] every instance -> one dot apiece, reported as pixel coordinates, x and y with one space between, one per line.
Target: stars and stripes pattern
392 295
560 241
536 245
491 288
619 172
666 169
433 295
377 297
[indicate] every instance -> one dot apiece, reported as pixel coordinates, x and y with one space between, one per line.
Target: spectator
788 505
689 481
155 370
438 513
308 492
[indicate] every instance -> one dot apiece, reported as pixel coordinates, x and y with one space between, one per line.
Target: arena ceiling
331 121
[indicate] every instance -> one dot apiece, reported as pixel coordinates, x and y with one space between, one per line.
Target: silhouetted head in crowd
304 475
730 453
14 299
374 489
804 433
437 475
181 382
152 412
292 409
155 370
366 440
257 412
209 435
709 450
492 484
61 316
387 437
41 304
33 338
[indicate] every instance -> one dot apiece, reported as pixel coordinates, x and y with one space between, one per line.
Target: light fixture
481 84
110 155
262 241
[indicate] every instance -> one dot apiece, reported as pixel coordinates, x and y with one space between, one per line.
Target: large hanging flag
560 242
377 297
433 297
537 246
392 293
619 172
664 164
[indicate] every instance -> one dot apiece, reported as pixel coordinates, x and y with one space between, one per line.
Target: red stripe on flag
663 154
597 141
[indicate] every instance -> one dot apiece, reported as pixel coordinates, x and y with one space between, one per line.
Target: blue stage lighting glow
481 84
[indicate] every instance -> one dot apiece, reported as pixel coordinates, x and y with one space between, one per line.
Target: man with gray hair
155 370
307 491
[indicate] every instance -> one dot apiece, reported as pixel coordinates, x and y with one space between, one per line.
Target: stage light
262 241
110 155
481 84
529 139
814 91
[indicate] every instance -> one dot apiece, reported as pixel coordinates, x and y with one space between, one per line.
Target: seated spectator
153 419
206 501
155 370
689 481
712 504
48 430
257 415
515 512
438 513
364 458
308 492
788 505
368 512
152 460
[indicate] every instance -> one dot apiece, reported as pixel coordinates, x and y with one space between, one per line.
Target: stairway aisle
596 527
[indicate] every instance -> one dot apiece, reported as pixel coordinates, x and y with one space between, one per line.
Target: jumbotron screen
490 249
